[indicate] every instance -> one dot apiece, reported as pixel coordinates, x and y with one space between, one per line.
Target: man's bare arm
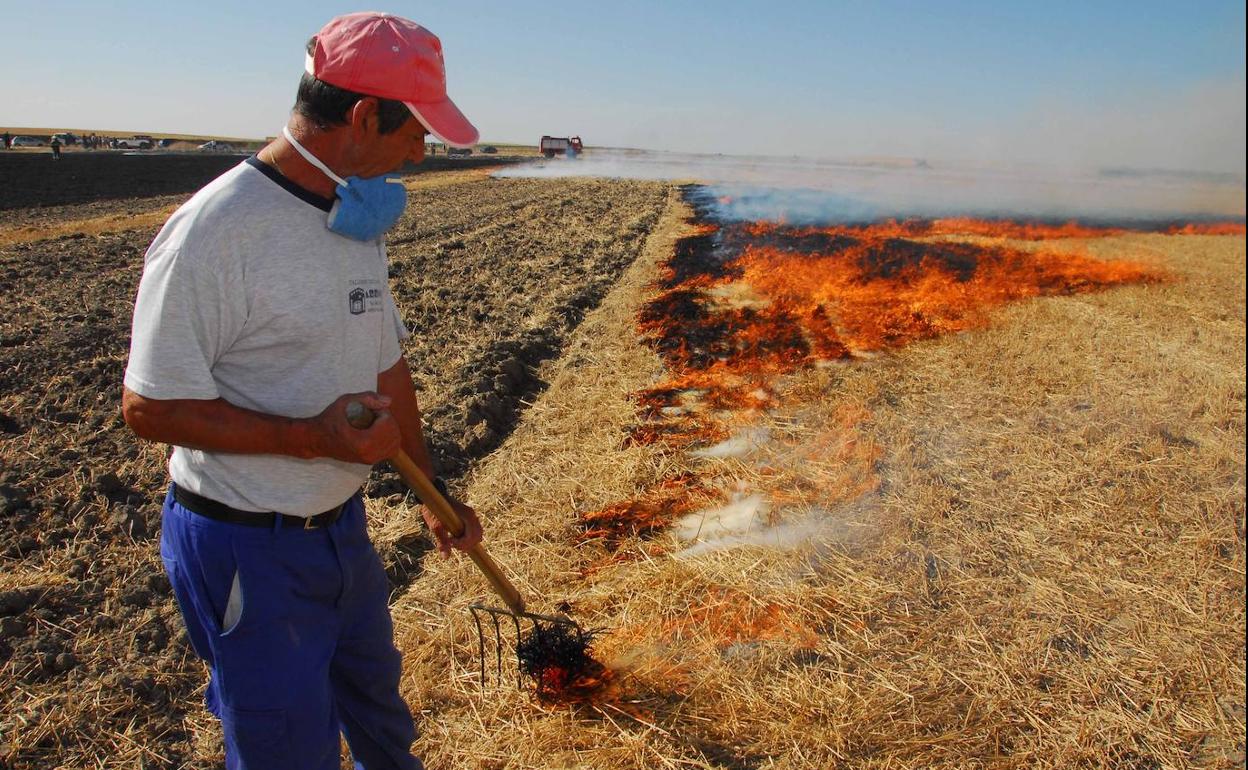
219 426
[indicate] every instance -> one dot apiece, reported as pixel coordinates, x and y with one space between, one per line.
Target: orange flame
926 228
557 685
742 304
804 295
654 512
724 616
990 228
822 294
886 292
1208 228
730 617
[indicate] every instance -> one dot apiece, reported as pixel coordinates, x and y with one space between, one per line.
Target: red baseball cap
392 58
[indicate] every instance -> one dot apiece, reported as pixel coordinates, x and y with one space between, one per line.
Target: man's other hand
472 529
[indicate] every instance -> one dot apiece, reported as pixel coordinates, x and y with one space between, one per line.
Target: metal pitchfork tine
497 614
361 417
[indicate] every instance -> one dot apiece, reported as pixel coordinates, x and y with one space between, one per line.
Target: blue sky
1147 84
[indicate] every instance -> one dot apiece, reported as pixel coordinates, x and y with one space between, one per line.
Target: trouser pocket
203 565
189 607
257 740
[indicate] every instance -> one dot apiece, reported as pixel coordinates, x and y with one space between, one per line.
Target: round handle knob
359 416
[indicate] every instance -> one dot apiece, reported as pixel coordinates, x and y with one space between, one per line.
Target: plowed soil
491 275
34 181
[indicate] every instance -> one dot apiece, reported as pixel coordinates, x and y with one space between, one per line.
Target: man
263 311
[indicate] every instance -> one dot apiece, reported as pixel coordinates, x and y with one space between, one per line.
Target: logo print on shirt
362 300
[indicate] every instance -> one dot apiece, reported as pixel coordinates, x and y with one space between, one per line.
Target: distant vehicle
140 142
66 138
489 149
27 141
215 146
551 146
166 142
458 152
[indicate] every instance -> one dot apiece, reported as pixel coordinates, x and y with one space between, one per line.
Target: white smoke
738 445
745 522
742 515
783 537
806 191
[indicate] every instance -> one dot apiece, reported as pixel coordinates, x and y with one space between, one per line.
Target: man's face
380 153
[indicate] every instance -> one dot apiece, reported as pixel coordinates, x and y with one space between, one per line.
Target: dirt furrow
91 648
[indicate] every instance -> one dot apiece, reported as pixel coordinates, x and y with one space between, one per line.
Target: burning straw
742 304
1054 577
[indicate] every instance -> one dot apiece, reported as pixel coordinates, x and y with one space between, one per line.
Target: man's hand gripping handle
360 416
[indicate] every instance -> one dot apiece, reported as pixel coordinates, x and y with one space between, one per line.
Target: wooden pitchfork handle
360 416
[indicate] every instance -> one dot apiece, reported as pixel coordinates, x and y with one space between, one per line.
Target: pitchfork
544 626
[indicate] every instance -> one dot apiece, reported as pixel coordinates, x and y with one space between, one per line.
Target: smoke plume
806 191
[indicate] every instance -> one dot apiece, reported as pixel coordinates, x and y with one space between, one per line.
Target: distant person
56 148
8 140
248 373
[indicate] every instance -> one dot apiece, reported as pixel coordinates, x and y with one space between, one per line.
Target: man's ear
364 117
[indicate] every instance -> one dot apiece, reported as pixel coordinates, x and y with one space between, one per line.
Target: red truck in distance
551 146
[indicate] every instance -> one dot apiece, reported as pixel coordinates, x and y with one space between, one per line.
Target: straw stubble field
1026 548
1018 546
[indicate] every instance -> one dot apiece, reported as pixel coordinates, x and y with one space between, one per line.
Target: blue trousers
296 631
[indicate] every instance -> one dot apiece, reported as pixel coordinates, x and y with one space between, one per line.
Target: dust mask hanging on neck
365 208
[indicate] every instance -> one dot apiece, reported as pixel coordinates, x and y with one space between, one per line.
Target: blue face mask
365 208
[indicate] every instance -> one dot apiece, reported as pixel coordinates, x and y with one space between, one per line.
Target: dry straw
1021 546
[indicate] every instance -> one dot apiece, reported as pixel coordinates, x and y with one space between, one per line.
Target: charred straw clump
557 658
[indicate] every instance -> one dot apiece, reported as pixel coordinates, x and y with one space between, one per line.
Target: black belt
222 512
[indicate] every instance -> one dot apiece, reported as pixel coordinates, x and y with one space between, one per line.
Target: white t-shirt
247 296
